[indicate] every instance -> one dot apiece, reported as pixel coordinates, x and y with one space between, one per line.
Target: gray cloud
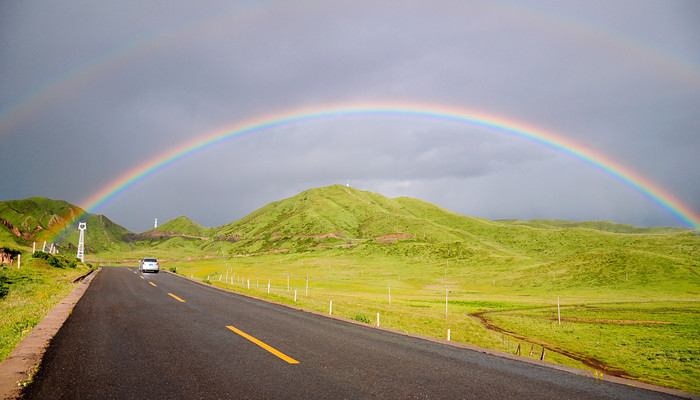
90 90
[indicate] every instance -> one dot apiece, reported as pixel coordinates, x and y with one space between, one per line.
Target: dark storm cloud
131 80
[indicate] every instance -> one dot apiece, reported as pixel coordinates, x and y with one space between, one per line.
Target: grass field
632 332
32 292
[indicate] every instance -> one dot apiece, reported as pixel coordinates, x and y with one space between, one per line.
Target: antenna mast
81 243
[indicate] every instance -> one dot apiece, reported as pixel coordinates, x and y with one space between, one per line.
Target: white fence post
558 311
446 292
330 309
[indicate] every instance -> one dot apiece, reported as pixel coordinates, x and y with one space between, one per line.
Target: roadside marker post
558 311
268 287
330 309
448 335
295 295
377 319
446 295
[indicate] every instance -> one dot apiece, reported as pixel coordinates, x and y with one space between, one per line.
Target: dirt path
586 360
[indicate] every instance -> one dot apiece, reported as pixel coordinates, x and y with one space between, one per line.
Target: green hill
182 226
348 213
38 219
362 224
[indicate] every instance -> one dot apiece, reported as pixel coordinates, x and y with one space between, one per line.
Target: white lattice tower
81 243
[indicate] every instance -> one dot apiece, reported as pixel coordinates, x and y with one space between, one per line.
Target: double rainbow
489 123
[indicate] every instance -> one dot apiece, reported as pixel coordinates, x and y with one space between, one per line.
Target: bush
56 261
362 318
4 285
173 269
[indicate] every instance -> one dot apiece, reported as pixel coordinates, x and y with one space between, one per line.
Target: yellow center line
152 283
176 298
143 278
265 346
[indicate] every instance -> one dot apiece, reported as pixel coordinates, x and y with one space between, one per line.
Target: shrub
362 318
4 285
56 261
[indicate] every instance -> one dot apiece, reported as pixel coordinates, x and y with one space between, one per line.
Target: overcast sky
91 89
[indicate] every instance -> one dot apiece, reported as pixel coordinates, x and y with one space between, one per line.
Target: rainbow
490 123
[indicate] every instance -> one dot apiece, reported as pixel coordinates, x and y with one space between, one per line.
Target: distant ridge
184 226
606 226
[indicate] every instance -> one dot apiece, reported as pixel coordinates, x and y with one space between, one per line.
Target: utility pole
81 243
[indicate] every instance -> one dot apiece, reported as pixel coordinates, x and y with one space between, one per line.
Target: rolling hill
363 224
38 219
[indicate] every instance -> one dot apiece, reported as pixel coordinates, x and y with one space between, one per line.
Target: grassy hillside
183 226
575 257
38 219
597 225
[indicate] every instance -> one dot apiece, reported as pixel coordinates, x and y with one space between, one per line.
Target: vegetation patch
29 294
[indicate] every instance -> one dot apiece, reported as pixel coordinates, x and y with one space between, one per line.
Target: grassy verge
656 342
31 292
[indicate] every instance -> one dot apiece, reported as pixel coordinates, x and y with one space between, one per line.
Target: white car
149 264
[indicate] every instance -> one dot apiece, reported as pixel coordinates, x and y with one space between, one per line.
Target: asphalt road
154 336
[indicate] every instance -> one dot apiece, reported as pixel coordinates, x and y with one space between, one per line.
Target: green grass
33 291
653 341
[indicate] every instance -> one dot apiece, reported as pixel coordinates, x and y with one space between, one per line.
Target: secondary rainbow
486 122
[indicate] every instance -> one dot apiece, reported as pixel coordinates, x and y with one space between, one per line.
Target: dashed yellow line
153 284
143 278
176 298
265 346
